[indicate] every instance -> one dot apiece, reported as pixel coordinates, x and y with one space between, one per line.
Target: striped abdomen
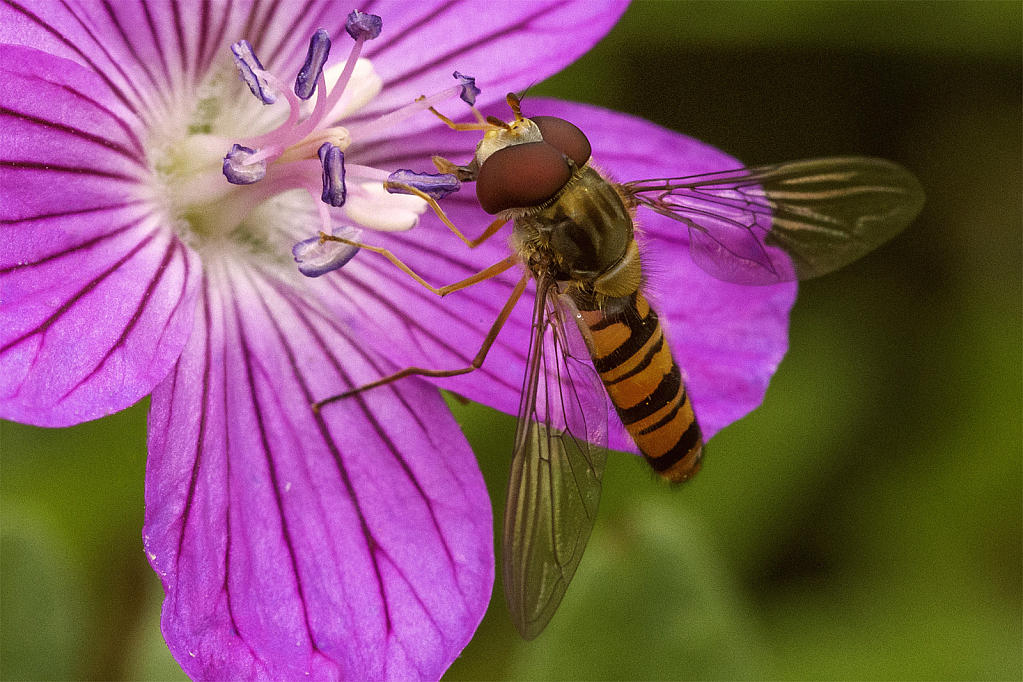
634 361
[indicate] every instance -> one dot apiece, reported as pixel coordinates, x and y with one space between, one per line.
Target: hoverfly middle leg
476 363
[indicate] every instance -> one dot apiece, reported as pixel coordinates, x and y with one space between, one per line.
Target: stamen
361 27
251 71
469 89
237 171
319 50
304 153
307 126
434 185
308 147
333 160
316 256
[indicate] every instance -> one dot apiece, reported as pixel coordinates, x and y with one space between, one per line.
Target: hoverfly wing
557 466
787 221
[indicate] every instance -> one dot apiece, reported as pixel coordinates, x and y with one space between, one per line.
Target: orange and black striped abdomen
645 384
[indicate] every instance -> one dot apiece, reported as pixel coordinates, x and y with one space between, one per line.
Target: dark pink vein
301 308
147 294
76 132
44 326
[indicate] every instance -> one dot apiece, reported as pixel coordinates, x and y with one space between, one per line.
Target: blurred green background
865 523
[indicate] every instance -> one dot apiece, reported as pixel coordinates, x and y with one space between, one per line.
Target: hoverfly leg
489 232
493 270
471 243
479 125
476 363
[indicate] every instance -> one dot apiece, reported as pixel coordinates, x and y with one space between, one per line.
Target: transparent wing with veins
787 221
556 468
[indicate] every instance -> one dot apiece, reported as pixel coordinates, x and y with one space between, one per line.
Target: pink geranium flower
355 543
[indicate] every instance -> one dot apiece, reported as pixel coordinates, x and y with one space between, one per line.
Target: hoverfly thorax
589 232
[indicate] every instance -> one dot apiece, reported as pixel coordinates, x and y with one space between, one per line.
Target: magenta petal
356 546
123 43
58 113
90 328
66 144
98 294
506 46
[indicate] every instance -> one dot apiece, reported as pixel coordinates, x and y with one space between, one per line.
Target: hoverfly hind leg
390 379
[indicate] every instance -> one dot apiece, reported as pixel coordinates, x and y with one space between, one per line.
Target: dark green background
865 523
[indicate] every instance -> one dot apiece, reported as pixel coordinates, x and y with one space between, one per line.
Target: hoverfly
594 334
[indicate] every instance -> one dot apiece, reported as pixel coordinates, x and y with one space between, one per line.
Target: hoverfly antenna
498 123
513 102
525 91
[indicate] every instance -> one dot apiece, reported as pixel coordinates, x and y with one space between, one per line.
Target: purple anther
361 25
469 89
436 185
316 258
250 70
333 160
319 48
239 173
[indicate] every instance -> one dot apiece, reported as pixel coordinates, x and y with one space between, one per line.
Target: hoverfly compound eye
565 137
521 176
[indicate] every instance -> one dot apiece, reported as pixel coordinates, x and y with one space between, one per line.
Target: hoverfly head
527 162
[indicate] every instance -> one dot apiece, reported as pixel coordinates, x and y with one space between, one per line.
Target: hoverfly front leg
492 271
480 124
471 243
476 363
465 173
